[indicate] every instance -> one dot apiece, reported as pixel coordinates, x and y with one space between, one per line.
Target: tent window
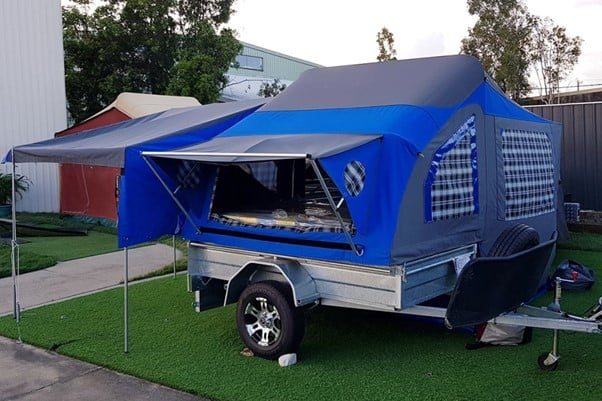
451 185
528 173
355 177
283 194
188 174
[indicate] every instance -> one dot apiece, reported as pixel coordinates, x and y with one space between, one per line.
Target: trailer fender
284 270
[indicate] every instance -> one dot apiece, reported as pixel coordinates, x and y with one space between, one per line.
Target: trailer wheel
547 362
514 239
267 320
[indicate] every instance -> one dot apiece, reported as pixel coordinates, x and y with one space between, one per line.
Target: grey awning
106 146
234 149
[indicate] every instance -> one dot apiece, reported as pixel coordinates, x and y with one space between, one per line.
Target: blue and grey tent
390 175
372 164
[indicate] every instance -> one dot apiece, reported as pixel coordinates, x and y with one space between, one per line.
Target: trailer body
219 275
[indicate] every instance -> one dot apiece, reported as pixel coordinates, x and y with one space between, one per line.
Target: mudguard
490 286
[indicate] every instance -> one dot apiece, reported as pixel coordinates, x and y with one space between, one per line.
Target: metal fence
581 165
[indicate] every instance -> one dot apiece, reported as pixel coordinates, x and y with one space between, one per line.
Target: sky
339 32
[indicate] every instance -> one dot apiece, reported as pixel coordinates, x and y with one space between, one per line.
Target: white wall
32 90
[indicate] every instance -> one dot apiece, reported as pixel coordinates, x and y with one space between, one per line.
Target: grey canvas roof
106 146
434 81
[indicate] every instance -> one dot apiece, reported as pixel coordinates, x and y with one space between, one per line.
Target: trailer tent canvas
417 155
374 165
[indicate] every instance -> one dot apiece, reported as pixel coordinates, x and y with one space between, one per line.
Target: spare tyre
514 239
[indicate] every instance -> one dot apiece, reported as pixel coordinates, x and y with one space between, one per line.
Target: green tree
149 46
202 63
501 40
271 89
554 55
86 59
386 42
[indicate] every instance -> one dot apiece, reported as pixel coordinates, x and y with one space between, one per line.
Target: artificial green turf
582 241
56 220
346 354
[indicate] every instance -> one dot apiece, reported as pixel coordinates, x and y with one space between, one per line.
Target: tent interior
283 193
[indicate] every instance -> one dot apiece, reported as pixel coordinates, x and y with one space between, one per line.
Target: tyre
267 320
514 239
547 363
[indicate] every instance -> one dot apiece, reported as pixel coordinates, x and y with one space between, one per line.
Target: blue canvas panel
498 105
148 211
410 123
356 174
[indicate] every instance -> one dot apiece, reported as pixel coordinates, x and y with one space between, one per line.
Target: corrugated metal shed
32 90
257 65
273 64
581 166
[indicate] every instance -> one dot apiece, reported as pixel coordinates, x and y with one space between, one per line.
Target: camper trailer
369 186
377 186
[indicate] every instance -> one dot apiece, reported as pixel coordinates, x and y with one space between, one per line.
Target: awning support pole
125 300
13 243
173 197
173 243
333 205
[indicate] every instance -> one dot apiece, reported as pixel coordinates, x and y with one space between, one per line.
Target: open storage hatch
282 194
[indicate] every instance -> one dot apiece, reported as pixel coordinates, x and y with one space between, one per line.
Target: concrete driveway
82 276
28 373
33 374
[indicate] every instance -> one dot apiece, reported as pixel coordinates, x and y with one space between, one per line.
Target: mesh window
528 173
451 184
